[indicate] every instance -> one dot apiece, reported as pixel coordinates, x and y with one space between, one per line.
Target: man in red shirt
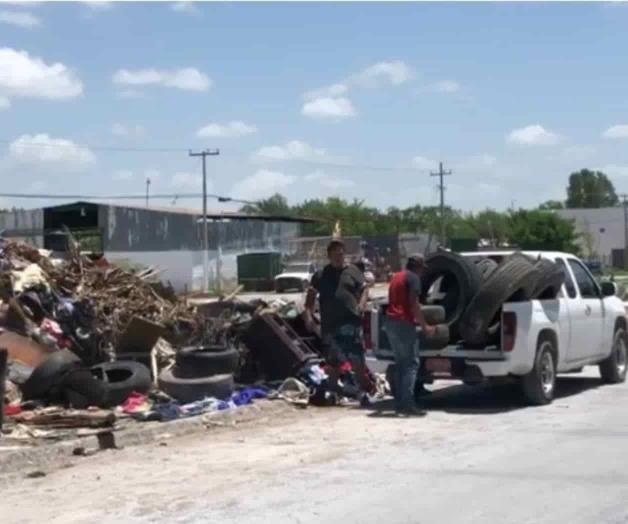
403 316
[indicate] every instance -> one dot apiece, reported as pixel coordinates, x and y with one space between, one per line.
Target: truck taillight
366 330
509 330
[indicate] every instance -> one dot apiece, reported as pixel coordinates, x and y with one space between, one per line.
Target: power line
441 174
305 161
160 196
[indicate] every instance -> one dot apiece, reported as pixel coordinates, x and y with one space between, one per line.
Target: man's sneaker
412 412
365 401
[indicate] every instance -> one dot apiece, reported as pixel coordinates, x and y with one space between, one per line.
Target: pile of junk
84 343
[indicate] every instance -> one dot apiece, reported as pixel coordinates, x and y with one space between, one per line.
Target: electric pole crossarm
441 186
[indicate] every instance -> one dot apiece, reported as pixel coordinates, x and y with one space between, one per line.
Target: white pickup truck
584 325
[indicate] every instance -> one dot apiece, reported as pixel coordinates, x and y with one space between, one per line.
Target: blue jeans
404 342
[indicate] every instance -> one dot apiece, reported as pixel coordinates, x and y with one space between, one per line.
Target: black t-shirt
339 295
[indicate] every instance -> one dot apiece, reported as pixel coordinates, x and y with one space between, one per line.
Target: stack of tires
200 372
473 293
63 378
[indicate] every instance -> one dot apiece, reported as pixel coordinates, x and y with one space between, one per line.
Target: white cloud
328 181
130 131
41 149
19 19
618 131
24 76
332 91
420 162
123 174
232 129
188 181
5 103
329 108
446 86
383 73
293 150
261 184
189 8
533 135
330 102
188 79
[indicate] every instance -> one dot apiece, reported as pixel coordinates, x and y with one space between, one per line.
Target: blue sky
312 100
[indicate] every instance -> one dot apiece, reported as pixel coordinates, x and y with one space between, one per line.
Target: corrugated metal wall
26 225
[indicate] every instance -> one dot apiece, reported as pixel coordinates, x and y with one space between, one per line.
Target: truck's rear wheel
538 386
613 369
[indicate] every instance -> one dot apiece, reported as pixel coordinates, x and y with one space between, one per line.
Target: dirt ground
479 456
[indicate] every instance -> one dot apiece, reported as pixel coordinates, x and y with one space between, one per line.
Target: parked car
296 276
584 324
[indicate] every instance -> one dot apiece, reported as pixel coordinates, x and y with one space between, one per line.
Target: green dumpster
257 271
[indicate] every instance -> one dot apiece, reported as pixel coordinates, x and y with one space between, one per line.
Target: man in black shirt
342 294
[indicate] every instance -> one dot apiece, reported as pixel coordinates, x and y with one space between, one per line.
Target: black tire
539 385
49 374
460 281
613 368
433 314
439 340
486 266
82 390
513 280
196 362
550 280
191 389
121 378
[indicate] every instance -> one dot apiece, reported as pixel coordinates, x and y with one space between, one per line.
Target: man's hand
428 330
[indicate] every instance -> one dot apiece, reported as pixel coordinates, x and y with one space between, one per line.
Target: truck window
569 284
588 287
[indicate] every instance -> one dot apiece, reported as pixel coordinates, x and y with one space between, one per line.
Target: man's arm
415 290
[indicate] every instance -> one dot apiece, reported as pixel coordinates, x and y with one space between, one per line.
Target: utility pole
625 204
147 190
442 174
204 154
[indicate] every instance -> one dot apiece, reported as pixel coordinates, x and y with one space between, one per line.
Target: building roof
211 215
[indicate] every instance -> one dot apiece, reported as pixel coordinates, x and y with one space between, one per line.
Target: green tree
590 189
274 205
542 230
492 225
552 204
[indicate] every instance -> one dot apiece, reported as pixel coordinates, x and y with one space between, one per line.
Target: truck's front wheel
539 385
613 369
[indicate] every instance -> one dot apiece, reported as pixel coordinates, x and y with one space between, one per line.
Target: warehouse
168 238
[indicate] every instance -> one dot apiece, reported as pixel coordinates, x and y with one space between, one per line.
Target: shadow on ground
487 399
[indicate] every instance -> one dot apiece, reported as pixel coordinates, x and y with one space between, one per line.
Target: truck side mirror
609 289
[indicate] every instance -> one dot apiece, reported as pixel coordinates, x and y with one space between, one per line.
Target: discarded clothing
136 403
12 409
293 391
200 407
248 395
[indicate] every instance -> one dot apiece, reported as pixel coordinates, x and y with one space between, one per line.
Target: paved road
477 457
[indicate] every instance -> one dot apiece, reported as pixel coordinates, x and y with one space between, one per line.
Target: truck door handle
587 310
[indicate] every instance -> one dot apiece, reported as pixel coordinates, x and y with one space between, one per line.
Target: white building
602 231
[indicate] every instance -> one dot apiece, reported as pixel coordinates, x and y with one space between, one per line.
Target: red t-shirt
404 288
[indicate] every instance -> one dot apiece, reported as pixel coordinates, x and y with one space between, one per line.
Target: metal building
168 238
